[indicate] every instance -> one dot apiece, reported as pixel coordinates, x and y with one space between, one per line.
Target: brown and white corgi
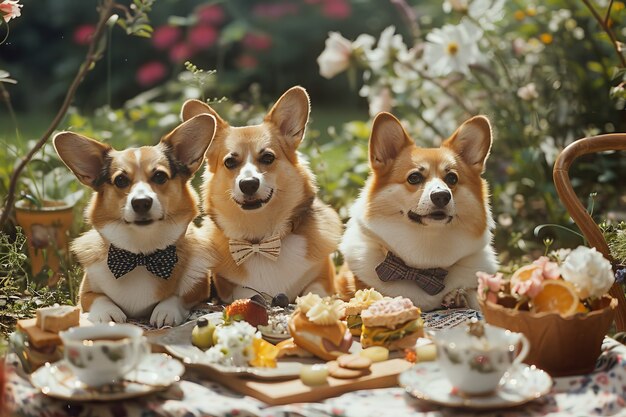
271 231
143 258
421 226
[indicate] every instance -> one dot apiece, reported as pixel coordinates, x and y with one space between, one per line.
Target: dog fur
394 214
160 177
280 201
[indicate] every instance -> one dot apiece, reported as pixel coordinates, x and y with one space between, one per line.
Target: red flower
257 41
336 9
83 33
212 14
165 36
151 73
202 36
247 62
181 52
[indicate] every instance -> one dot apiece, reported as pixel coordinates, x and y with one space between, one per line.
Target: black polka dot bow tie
160 263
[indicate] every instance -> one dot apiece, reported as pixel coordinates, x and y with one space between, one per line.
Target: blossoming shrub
541 71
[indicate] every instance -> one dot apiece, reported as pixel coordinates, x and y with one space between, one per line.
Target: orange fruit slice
557 296
523 273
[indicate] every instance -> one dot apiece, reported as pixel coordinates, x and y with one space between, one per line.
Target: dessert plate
426 381
155 372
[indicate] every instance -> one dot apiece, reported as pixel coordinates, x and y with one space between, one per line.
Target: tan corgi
421 226
143 258
271 231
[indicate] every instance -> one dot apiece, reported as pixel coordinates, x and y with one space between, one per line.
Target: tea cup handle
523 352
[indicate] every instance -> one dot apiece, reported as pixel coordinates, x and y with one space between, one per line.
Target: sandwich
394 323
316 327
362 299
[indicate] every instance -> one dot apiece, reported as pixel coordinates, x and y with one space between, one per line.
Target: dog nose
249 186
440 198
141 205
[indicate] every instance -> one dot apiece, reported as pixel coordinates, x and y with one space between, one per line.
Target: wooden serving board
384 375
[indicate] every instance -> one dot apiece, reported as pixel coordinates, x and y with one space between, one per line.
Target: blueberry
280 300
259 299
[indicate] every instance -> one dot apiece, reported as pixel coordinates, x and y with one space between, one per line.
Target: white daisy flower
453 48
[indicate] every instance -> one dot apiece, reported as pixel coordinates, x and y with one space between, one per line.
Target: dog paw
104 310
169 312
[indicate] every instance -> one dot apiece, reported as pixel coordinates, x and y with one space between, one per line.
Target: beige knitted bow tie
241 250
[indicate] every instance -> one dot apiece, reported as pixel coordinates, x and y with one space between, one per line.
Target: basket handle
589 228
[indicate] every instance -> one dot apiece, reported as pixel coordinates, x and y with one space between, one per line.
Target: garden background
545 73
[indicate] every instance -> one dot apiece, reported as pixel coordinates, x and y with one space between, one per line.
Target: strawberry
248 310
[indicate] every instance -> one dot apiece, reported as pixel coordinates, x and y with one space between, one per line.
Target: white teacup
103 353
475 365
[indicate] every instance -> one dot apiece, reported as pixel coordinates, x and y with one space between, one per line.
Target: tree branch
604 25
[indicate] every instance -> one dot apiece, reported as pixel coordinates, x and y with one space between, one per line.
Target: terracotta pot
560 346
46 231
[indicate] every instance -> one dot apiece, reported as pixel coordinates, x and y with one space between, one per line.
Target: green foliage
20 294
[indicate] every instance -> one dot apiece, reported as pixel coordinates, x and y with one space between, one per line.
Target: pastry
316 326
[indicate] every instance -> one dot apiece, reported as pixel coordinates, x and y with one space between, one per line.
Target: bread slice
57 318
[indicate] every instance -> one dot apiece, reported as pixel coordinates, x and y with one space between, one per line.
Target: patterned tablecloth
601 393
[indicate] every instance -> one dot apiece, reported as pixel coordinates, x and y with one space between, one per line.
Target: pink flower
180 52
247 62
549 270
10 9
82 34
202 37
489 285
151 73
531 286
257 41
211 14
336 9
165 36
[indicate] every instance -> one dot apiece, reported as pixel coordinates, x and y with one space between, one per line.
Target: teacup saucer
156 372
426 381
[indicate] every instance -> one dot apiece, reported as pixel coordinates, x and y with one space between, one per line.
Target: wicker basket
560 346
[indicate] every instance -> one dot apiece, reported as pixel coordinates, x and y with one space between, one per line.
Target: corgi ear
189 141
388 138
86 158
291 114
193 108
472 141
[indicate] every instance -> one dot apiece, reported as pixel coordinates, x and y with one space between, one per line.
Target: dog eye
415 178
451 178
267 158
230 162
159 177
121 181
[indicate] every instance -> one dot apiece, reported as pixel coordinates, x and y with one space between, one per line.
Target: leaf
595 67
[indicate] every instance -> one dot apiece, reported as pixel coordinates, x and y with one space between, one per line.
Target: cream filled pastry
316 326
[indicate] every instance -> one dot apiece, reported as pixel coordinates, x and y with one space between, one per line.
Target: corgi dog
421 226
143 257
271 232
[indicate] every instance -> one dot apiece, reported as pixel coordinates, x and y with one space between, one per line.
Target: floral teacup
103 353
475 362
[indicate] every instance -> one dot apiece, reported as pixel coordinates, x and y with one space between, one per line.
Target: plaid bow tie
241 250
394 269
160 263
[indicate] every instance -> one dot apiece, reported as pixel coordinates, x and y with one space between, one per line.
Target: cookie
337 371
356 362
